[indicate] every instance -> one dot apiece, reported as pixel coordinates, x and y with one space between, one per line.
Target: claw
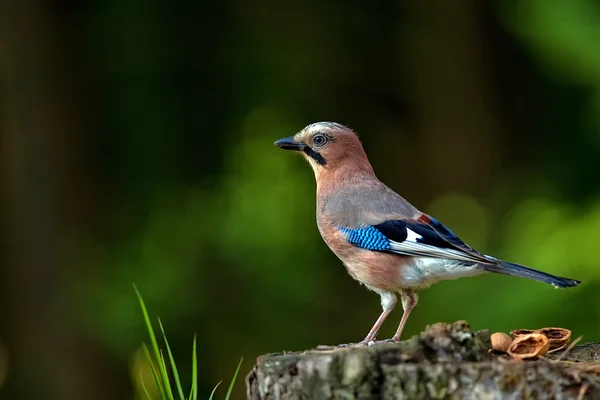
373 343
347 345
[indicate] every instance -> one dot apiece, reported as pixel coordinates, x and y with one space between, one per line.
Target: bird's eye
319 140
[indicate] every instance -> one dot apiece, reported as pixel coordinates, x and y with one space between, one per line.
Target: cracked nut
520 332
529 346
500 341
557 337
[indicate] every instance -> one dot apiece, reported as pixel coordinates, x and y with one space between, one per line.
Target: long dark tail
506 268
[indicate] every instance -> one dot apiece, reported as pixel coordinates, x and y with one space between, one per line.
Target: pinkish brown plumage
385 242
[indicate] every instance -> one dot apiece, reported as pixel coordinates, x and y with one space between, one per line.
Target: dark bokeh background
137 147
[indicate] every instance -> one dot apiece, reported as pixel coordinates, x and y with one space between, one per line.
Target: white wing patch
412 236
424 250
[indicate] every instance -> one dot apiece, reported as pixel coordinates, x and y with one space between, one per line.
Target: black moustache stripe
315 156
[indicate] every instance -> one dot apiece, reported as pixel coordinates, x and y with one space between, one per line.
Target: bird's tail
507 268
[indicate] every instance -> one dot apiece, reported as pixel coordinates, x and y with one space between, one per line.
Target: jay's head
326 145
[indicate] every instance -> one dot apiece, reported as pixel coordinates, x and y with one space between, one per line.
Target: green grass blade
154 343
213 391
159 385
233 380
172 360
194 391
165 375
144 387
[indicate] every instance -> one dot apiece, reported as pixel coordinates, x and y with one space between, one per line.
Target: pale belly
391 272
423 272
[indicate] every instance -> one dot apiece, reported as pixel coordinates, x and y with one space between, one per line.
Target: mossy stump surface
446 361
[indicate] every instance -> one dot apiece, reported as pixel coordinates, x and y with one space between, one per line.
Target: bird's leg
388 302
409 301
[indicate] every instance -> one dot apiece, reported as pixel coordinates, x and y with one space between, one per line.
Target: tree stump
445 361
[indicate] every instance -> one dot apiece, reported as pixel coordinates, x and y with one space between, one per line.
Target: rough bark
445 361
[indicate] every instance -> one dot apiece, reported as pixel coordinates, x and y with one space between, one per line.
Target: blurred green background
136 146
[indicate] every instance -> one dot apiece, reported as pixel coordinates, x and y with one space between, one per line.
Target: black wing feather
450 237
396 230
433 234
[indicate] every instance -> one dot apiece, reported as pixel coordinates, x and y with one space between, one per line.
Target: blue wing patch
367 237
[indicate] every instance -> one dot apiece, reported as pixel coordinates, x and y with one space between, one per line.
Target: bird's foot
376 342
359 344
373 342
362 343
387 341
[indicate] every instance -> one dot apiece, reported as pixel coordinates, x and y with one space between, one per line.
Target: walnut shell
557 337
519 332
500 341
529 346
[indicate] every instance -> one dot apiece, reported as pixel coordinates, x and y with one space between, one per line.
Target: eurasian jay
384 241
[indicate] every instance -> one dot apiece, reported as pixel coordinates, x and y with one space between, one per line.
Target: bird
385 242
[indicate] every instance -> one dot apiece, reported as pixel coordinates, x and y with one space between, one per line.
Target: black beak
289 144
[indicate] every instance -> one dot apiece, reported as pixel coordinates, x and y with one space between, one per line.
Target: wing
423 236
426 237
